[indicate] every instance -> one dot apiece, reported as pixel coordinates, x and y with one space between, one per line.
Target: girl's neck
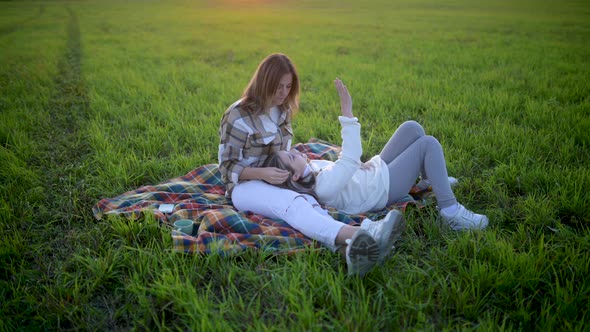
307 170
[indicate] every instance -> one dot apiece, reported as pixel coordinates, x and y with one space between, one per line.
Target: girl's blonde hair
263 86
305 184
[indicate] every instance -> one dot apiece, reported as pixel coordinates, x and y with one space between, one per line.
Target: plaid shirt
246 139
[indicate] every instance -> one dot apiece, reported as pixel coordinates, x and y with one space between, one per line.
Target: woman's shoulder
239 118
234 112
235 107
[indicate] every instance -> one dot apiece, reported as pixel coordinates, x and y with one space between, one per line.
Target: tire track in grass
67 225
63 161
60 217
67 148
70 231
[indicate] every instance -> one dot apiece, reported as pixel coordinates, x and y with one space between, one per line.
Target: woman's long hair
263 85
305 184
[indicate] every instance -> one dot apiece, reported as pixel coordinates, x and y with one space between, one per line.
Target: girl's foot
362 253
385 231
424 184
463 219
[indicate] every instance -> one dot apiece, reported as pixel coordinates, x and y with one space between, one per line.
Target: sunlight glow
245 2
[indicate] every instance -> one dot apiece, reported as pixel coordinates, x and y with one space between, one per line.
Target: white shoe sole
362 253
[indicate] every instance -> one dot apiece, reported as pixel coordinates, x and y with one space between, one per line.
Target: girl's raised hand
345 99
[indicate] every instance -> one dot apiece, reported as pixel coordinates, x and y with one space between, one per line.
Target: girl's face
283 90
295 160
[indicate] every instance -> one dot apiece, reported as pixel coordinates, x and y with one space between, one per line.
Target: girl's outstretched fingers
345 99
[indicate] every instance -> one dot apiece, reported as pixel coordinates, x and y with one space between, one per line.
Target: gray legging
410 153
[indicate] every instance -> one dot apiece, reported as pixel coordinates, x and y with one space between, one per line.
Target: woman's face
283 90
295 160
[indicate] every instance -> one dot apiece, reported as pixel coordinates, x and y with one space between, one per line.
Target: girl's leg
406 134
296 209
424 154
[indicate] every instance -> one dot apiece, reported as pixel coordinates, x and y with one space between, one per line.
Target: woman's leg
406 134
363 244
296 209
424 154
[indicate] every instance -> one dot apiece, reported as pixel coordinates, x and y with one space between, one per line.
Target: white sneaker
385 231
362 253
465 219
424 184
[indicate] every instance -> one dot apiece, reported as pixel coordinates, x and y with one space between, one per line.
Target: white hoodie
343 184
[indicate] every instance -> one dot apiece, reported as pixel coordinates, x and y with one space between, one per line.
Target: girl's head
300 178
275 83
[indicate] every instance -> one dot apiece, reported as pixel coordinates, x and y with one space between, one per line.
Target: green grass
98 98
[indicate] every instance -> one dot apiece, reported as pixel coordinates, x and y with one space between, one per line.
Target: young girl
353 187
259 124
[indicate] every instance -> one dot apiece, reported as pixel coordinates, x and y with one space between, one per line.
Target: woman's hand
366 166
271 175
345 99
274 175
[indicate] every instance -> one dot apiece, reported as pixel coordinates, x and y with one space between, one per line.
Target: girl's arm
345 99
332 179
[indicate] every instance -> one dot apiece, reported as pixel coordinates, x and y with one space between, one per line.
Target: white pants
301 212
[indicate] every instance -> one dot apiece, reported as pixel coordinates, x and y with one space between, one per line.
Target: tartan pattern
219 227
238 144
319 149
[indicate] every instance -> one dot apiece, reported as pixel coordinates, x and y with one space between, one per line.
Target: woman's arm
232 140
233 135
271 175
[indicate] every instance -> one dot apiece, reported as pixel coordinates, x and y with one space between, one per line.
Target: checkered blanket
219 227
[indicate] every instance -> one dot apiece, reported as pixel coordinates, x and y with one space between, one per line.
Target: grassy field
98 98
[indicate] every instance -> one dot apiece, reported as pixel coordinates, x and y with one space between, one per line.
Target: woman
353 187
259 124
